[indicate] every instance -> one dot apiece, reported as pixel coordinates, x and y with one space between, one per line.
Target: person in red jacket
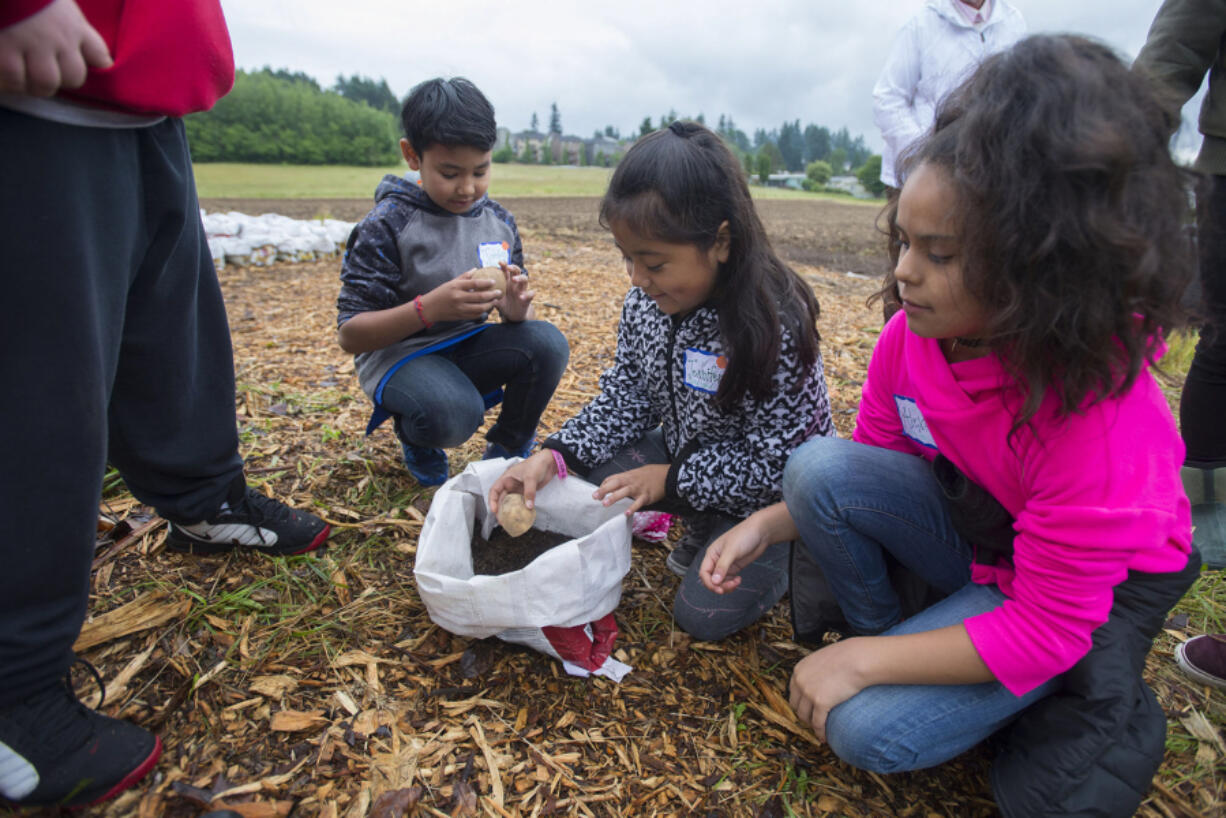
116 349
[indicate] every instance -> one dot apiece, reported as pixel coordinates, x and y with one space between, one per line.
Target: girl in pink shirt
1012 448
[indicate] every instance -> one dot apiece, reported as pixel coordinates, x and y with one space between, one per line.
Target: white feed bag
561 603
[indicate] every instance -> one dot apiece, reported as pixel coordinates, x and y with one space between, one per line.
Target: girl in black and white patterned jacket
718 375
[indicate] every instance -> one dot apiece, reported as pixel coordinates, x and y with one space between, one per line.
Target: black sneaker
256 522
55 751
694 538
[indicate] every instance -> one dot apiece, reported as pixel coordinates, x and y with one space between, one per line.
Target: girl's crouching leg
709 617
860 509
897 728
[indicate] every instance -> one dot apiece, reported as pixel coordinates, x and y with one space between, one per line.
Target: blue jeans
437 398
896 728
702 614
853 504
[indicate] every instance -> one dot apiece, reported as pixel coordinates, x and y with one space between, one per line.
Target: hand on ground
824 679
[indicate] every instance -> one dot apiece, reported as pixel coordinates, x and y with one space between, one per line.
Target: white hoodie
932 54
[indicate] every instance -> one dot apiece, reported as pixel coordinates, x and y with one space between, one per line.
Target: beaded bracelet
421 313
559 462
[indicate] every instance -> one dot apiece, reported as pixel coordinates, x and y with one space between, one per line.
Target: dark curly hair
1071 216
678 185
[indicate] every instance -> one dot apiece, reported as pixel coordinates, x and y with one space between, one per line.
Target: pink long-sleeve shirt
1094 495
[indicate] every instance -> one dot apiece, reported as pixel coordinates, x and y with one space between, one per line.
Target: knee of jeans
702 625
445 430
856 735
704 629
550 343
811 469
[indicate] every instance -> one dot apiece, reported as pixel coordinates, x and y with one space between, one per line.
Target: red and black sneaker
55 751
254 521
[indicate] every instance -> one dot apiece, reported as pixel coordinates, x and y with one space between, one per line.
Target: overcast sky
614 63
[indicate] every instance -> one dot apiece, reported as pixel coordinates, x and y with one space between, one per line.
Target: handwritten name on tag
913 424
492 252
703 370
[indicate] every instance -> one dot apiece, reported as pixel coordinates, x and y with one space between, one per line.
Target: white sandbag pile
241 240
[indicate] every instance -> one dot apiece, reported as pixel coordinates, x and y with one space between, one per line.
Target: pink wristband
559 462
421 313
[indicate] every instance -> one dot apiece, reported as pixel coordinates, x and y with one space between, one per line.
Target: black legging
1203 403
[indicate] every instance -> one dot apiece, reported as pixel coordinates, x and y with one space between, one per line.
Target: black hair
450 112
678 185
1070 213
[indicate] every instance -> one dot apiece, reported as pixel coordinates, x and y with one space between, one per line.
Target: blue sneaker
428 466
496 450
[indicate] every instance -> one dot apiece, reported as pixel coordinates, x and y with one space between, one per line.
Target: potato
495 275
515 517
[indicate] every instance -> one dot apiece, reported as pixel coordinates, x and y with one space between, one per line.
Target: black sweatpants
1203 401
115 347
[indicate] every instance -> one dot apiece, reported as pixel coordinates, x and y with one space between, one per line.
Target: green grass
1180 347
226 180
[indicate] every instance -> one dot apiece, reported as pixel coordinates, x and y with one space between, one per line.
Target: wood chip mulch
318 686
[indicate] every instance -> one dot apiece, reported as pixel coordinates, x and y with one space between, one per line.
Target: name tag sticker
703 370
913 424
493 252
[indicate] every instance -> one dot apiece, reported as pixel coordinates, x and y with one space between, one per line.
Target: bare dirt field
318 686
836 236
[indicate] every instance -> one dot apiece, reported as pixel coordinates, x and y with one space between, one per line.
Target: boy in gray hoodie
417 290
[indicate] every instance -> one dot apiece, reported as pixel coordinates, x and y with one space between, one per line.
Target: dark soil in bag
502 553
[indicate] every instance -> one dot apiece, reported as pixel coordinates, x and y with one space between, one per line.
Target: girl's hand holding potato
525 477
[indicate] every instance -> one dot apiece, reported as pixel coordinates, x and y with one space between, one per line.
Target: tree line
815 150
279 116
282 117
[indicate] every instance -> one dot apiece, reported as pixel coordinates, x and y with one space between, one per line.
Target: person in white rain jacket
932 54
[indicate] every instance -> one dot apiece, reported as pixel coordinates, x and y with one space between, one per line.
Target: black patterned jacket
727 461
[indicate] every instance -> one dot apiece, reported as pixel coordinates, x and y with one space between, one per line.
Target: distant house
605 150
532 140
564 149
850 184
793 181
